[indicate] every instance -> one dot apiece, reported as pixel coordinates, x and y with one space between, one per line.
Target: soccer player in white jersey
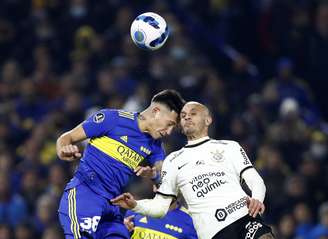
208 173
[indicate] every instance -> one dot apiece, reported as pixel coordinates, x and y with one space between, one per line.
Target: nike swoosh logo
182 166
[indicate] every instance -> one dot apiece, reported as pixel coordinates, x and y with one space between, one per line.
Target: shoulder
225 143
104 114
123 114
174 156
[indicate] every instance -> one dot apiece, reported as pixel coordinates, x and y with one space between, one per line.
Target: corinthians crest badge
217 155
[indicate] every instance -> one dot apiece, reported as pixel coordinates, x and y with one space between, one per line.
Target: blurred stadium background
261 65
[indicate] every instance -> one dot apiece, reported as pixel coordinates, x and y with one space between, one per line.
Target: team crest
217 156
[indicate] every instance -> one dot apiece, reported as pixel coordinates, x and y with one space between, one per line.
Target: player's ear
155 110
208 120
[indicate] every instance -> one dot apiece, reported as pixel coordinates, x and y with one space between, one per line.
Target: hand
125 200
255 207
69 152
128 222
146 172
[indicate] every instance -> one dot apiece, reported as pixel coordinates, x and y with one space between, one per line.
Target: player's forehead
193 106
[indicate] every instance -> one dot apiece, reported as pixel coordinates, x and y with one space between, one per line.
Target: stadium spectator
321 229
13 209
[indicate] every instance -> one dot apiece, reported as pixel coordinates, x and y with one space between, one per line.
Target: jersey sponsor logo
206 175
99 117
145 233
217 156
206 186
118 151
252 228
207 182
246 159
126 114
222 213
124 138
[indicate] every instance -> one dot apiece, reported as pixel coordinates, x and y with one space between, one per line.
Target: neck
197 139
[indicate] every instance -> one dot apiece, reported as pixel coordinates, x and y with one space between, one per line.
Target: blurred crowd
260 65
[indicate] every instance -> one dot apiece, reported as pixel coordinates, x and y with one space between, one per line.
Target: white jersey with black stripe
208 176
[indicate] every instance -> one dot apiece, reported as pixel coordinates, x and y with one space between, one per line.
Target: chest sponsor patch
145 233
118 151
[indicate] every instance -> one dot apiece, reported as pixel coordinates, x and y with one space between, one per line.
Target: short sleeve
100 123
240 159
169 172
158 153
130 213
191 234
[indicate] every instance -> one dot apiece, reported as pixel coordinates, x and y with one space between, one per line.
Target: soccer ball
149 31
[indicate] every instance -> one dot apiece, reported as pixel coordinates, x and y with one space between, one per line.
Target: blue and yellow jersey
116 147
176 224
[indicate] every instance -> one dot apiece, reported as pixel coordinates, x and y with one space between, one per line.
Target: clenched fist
69 152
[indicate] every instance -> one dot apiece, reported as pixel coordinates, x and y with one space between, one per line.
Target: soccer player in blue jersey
119 142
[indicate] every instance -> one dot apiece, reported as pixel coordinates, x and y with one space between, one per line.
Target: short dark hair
171 98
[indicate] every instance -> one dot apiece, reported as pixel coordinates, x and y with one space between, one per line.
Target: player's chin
187 130
157 135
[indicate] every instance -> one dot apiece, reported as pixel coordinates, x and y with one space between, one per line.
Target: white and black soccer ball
149 31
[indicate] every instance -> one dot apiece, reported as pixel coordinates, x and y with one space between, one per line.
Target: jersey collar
197 142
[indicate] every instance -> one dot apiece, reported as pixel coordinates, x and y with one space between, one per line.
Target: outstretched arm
66 150
156 207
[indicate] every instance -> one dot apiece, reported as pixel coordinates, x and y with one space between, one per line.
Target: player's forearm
63 140
156 207
255 184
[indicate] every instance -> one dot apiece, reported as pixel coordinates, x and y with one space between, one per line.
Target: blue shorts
85 214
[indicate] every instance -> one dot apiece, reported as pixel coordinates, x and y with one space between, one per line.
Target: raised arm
65 146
